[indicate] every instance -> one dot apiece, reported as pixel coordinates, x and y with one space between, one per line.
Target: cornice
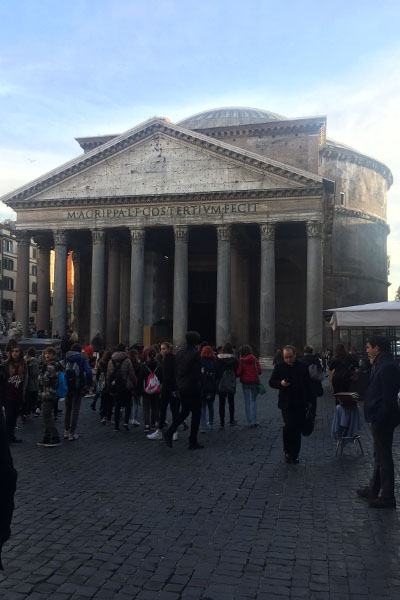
195 197
138 134
358 214
292 127
349 155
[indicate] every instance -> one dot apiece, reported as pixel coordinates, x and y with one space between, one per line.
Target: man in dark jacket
292 379
382 411
188 375
78 380
121 382
97 343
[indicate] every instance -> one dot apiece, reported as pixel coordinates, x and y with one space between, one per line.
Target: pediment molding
134 136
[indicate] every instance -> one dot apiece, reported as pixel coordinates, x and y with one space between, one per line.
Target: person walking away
152 379
101 387
208 386
97 343
32 390
188 375
121 381
341 366
16 380
78 376
316 371
66 343
169 391
227 364
382 411
48 382
134 357
292 379
248 371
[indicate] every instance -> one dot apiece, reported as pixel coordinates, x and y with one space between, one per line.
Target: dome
224 117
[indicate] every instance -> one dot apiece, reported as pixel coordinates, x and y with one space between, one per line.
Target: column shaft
223 320
267 291
125 293
112 322
180 309
97 291
314 323
22 287
60 283
137 287
43 287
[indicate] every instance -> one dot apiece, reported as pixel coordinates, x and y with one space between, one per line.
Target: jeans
136 405
250 391
72 408
383 475
190 403
50 430
171 398
123 400
151 409
293 419
207 401
231 402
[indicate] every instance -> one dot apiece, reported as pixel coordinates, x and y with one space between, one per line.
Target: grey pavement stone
119 517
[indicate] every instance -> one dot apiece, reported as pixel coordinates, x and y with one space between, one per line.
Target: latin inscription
163 211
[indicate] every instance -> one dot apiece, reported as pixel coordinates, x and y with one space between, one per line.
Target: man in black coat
382 411
292 379
188 375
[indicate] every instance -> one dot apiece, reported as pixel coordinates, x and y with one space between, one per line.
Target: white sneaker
134 422
73 436
66 434
37 412
175 436
157 435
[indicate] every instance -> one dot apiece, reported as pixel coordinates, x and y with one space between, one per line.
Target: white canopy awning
379 314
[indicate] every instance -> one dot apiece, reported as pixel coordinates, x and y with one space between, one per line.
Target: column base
266 362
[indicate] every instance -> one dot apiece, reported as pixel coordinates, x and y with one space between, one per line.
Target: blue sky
89 67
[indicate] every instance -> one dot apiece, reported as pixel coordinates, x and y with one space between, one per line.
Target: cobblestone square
116 516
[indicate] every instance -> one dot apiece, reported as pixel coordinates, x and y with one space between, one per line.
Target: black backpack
117 384
208 382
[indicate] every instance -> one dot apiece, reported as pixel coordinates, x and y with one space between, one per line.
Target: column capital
267 231
23 238
42 241
98 236
224 233
60 237
314 229
137 235
181 233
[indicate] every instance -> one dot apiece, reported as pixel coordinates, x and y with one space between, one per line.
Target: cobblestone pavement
114 515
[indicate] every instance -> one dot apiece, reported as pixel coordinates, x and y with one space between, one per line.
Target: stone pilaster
125 275
43 284
181 277
97 291
223 318
112 319
22 284
267 291
60 283
137 286
314 321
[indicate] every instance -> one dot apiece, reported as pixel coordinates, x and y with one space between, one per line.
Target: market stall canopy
379 314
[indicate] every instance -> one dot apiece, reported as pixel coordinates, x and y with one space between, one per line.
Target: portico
159 207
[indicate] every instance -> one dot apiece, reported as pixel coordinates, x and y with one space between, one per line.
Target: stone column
43 286
181 276
125 277
60 283
22 284
314 323
267 291
97 291
76 309
137 286
223 328
112 320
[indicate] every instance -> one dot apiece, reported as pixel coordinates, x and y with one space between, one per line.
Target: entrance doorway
202 304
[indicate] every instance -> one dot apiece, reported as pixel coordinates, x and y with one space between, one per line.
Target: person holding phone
292 379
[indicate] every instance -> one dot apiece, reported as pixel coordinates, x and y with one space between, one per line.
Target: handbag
308 423
260 386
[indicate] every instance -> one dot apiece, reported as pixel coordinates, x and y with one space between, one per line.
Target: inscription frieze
190 210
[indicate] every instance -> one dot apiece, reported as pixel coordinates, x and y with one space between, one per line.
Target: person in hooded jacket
249 369
208 386
75 391
169 393
151 402
120 369
32 389
226 362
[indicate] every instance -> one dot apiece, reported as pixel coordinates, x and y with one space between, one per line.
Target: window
342 198
34 287
7 304
33 252
8 283
34 306
7 245
34 270
8 264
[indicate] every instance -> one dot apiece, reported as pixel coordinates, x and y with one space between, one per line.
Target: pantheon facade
239 223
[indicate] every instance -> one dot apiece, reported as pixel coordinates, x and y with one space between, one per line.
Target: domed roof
234 115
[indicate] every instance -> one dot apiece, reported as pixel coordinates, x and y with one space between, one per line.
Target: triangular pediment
158 158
